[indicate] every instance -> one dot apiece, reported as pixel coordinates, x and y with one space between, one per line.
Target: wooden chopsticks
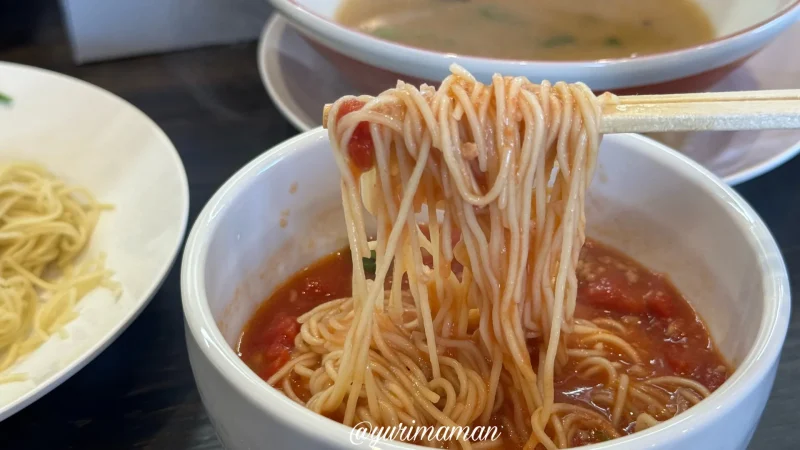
720 111
746 110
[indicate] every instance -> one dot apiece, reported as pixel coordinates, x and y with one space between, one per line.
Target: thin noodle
44 227
503 168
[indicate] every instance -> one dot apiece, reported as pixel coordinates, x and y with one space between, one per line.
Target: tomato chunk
660 304
279 339
277 355
283 329
678 359
360 148
605 294
288 329
712 377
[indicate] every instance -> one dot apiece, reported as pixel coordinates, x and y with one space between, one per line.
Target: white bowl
646 200
742 28
90 137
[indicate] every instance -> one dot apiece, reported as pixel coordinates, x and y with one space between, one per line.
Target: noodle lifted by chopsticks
492 178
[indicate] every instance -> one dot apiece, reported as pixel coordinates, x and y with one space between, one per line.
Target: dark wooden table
140 393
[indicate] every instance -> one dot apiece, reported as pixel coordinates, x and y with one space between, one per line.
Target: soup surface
656 320
533 29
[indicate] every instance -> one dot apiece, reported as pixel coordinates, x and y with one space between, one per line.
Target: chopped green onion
4 98
612 42
370 264
559 40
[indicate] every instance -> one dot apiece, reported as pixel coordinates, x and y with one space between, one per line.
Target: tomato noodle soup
614 292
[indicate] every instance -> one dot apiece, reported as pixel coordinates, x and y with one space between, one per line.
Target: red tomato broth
660 324
269 332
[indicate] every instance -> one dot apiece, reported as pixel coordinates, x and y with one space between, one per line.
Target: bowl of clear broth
272 243
628 46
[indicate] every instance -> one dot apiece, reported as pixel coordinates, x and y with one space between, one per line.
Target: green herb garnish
370 264
600 436
4 99
612 42
559 40
589 18
492 12
385 33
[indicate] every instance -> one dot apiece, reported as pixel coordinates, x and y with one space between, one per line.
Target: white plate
300 81
90 137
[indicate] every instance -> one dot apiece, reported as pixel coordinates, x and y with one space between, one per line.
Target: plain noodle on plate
44 226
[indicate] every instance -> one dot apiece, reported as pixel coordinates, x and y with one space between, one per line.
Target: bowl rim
360 40
751 372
